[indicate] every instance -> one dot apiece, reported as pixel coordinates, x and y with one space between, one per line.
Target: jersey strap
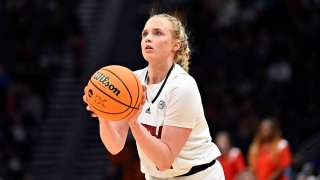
164 82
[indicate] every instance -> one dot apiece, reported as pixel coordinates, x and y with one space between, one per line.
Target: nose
147 38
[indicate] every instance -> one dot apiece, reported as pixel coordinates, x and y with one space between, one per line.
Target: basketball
114 93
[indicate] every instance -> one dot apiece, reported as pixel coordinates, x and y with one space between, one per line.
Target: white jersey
178 104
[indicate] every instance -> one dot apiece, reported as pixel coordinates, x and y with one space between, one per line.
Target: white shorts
214 172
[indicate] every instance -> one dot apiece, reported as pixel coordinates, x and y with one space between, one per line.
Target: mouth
148 47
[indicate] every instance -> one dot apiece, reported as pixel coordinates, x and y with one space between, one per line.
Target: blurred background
251 59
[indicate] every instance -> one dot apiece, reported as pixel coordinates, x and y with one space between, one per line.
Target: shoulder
181 77
183 83
140 73
234 152
282 144
183 86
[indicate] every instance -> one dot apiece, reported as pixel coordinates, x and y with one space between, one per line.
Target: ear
176 45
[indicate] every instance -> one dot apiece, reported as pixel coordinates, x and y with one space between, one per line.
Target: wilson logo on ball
104 80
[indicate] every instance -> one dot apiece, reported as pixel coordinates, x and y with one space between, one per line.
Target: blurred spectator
280 71
246 174
307 172
232 159
33 42
269 154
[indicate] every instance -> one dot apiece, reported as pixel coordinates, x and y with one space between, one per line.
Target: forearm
113 135
154 148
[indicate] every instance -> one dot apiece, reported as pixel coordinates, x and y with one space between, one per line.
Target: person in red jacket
269 153
232 159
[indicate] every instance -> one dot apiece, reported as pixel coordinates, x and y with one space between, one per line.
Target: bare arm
161 151
112 134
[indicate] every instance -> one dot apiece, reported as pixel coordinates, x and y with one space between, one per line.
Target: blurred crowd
34 36
258 59
252 60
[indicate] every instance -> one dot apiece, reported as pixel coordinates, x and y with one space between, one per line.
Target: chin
148 58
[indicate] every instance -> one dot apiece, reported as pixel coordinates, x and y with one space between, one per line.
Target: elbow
114 152
165 163
114 149
164 166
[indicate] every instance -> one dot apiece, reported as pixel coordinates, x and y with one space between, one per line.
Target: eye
144 34
157 33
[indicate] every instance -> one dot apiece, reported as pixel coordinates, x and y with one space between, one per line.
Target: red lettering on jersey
153 130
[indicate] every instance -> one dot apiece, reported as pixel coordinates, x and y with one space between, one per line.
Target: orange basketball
114 93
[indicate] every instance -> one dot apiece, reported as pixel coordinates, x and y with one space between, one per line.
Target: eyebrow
156 29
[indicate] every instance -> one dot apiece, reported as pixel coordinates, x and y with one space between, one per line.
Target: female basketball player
170 129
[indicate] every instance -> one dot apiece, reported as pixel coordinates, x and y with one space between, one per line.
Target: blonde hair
178 31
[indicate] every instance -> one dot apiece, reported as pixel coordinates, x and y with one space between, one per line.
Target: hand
134 119
88 107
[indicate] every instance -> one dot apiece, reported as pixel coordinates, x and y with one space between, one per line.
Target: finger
144 88
85 99
140 109
135 114
93 114
143 100
138 112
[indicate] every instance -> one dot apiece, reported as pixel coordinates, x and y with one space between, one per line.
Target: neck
158 72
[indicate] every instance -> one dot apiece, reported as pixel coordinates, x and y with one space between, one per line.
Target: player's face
157 40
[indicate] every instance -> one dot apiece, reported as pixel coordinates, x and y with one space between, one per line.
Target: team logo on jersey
148 110
161 104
